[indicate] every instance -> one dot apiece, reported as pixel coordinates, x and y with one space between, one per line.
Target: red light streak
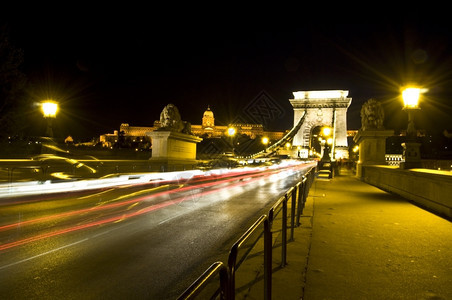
253 176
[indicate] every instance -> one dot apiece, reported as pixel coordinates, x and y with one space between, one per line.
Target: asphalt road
146 241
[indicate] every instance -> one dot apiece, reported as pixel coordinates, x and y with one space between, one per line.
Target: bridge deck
358 242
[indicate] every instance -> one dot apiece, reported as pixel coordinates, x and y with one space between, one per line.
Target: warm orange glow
326 131
265 140
231 131
411 97
49 109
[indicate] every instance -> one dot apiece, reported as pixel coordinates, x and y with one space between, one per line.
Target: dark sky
112 72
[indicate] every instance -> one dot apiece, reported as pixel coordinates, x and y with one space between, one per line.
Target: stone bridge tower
322 108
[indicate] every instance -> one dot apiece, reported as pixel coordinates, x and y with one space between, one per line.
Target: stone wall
431 189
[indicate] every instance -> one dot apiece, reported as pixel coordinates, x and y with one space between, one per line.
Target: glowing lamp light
49 109
326 131
265 140
411 97
231 131
329 141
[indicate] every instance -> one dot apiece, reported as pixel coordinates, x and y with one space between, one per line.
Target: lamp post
265 142
49 109
411 148
326 142
231 133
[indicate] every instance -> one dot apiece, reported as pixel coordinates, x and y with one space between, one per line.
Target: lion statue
372 115
170 120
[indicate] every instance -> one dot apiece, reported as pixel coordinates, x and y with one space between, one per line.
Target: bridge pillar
322 108
372 148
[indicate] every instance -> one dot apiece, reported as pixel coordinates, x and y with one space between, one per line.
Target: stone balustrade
430 189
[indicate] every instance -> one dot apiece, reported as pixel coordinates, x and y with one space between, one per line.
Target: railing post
267 260
224 283
284 232
231 268
292 209
300 199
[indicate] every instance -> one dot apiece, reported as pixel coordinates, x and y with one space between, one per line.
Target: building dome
207 119
208 113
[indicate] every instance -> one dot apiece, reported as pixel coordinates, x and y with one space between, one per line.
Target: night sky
108 73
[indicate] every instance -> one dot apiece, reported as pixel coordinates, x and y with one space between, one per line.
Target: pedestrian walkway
359 242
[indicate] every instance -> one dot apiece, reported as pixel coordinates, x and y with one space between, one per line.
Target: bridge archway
319 109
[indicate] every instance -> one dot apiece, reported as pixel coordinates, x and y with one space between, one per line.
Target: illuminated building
207 129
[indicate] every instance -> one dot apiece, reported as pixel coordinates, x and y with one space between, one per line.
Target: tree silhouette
12 87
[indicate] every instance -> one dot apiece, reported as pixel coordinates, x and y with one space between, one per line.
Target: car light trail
104 206
132 203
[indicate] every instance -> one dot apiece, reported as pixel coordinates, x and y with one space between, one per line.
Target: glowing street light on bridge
411 148
326 131
231 131
49 110
411 97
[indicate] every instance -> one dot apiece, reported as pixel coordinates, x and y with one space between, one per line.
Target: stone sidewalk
358 242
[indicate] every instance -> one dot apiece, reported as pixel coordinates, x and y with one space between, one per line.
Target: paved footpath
359 242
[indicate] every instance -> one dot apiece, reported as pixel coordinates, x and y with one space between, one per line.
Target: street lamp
265 141
411 148
326 131
231 133
49 109
326 142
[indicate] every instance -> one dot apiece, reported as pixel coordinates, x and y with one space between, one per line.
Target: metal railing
196 289
265 225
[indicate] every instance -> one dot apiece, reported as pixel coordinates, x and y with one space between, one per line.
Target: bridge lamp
411 148
326 131
231 131
410 98
265 140
49 110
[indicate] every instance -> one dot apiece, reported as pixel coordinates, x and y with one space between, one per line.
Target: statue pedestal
412 155
372 148
173 148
